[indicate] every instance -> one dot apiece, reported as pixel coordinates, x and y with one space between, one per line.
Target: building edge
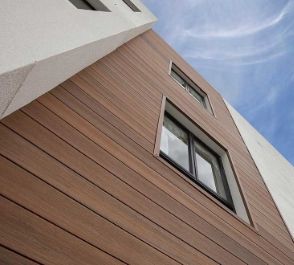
276 172
26 74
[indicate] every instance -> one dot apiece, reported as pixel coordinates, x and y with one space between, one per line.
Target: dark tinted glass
196 95
179 79
195 159
131 5
82 4
186 84
90 5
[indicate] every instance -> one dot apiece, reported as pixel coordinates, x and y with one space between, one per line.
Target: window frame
131 5
186 86
191 174
205 103
92 6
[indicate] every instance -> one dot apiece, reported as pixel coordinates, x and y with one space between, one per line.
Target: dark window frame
192 174
131 5
205 102
95 5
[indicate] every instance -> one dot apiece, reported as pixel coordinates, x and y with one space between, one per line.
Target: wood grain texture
80 183
10 257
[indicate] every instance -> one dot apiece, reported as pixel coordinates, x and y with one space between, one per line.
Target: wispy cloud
245 50
242 30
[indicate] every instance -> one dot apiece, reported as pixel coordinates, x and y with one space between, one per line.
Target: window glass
196 95
82 4
180 80
195 159
174 143
205 173
131 5
189 86
90 5
208 169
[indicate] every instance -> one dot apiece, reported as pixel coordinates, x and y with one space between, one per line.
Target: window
90 5
196 160
208 169
131 5
174 143
190 150
190 87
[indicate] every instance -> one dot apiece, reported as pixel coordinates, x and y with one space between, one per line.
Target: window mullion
192 156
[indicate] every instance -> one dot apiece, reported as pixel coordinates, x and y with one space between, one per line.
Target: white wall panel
277 172
59 40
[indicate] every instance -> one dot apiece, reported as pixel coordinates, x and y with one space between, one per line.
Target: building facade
136 159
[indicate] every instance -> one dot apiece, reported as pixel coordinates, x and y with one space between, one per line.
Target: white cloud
252 27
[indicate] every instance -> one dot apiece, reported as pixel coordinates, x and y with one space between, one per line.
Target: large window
190 87
196 160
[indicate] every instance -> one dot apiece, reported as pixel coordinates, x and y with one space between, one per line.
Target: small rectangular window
190 87
90 5
196 160
131 5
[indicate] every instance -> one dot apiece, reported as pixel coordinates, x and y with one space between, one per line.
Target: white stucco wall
277 172
44 42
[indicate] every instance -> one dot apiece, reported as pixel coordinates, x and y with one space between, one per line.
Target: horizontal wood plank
80 183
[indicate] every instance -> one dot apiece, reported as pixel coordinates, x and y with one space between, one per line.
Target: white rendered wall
277 172
44 42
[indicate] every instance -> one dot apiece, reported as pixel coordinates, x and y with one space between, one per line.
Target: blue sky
244 49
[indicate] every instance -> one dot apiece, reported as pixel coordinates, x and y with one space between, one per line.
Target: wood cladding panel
81 164
9 257
225 127
176 228
43 241
23 126
68 214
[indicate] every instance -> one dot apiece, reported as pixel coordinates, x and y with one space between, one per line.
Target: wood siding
80 183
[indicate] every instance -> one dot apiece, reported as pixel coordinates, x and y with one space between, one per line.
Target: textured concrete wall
277 172
45 42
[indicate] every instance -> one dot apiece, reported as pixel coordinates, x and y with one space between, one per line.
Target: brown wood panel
71 102
75 105
49 203
10 257
228 126
54 124
106 115
127 111
90 87
169 222
85 127
86 152
36 113
42 241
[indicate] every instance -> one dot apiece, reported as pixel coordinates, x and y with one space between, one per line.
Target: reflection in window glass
186 85
174 143
195 159
195 94
208 169
180 80
205 173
